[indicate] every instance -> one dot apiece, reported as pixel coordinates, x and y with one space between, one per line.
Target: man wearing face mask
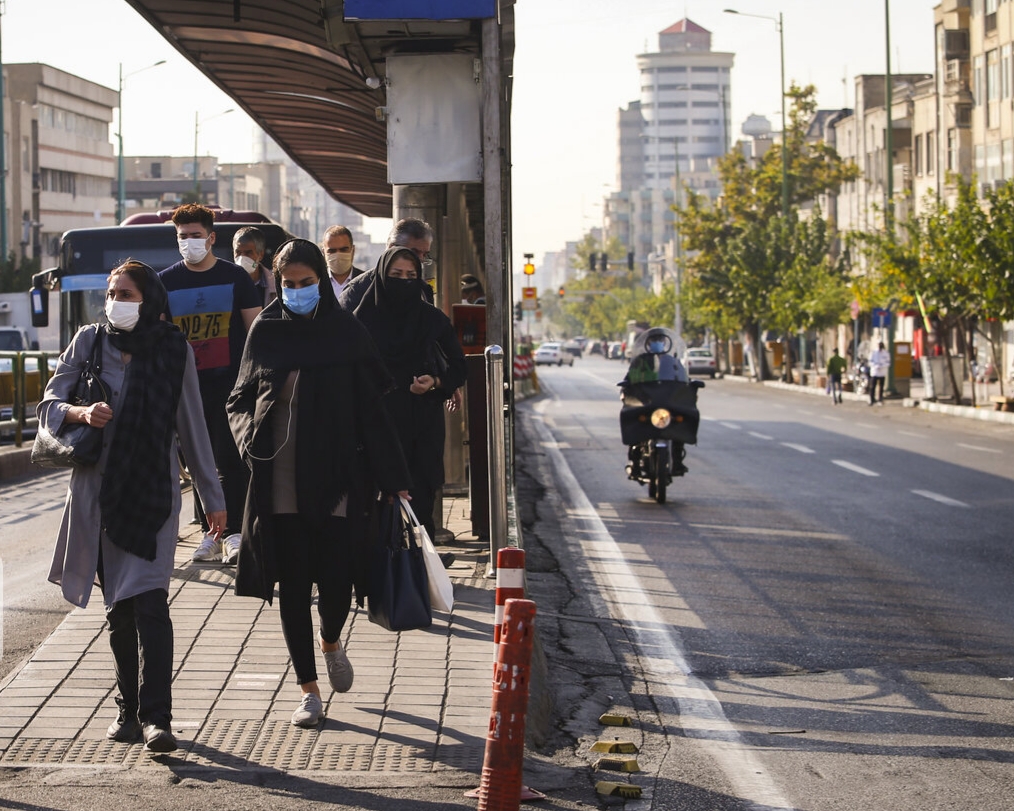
340 253
214 302
248 247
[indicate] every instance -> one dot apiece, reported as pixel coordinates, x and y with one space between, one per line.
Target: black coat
350 440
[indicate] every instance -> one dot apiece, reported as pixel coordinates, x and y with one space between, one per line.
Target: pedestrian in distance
880 362
308 418
472 291
420 348
213 302
248 249
836 366
121 516
340 253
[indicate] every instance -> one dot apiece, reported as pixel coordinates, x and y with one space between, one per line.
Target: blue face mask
301 300
656 347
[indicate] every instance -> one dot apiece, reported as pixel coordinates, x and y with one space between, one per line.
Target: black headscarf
136 493
280 342
393 310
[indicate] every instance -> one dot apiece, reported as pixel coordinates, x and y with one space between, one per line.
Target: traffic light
630 260
604 261
518 314
562 292
591 261
529 269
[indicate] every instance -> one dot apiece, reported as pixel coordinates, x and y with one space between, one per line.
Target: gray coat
75 561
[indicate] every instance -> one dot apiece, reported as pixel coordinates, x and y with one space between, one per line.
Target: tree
751 266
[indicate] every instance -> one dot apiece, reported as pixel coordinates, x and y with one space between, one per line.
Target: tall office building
678 126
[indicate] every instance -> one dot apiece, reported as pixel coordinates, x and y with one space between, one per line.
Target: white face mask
339 263
123 314
194 250
247 263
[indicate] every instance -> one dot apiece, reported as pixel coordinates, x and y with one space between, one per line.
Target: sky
574 68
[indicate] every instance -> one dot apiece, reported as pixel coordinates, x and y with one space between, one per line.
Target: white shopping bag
441 588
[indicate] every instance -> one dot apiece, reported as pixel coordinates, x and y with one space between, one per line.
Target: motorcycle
860 376
658 418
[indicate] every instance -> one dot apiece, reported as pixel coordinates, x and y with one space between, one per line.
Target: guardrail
21 389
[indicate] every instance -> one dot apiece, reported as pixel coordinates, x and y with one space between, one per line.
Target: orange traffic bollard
500 785
510 584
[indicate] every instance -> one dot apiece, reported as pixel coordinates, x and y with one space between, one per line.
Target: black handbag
76 444
399 598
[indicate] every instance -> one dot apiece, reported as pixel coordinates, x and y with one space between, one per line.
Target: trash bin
903 368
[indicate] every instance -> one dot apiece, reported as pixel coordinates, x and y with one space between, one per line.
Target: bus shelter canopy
312 81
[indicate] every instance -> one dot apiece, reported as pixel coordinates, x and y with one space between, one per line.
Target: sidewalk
420 703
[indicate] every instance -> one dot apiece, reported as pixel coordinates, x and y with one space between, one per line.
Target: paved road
30 512
820 614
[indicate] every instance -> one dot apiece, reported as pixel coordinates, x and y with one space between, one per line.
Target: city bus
87 255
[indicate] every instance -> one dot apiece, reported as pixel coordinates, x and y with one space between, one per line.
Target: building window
930 154
917 155
710 88
1005 76
1007 147
704 104
705 69
963 115
978 82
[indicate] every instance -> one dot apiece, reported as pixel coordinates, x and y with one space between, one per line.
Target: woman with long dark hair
121 519
308 419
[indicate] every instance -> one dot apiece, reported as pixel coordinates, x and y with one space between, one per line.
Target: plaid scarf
137 491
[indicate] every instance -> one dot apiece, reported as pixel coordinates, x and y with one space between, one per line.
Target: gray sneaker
309 712
339 669
210 549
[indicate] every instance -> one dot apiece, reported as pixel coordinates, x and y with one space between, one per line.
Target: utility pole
3 159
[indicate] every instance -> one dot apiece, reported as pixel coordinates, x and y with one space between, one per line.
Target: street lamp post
3 167
197 124
785 148
121 183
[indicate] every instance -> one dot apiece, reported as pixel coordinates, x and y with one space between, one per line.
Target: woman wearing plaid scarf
121 517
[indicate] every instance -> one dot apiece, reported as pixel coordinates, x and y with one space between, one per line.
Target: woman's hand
454 403
96 415
423 384
216 522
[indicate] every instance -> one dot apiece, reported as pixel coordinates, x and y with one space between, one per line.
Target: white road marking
864 425
951 502
732 426
761 436
854 468
832 419
803 411
660 647
913 433
800 448
979 448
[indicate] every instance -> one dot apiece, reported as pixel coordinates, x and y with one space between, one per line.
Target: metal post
497 453
121 186
889 134
3 163
785 146
678 324
197 187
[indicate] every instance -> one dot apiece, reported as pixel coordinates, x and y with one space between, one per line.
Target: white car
700 361
552 354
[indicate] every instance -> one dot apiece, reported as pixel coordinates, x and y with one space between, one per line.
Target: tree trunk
945 332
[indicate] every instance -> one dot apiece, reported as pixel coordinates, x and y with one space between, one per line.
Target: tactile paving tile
466 758
225 742
102 751
283 746
345 757
37 750
392 757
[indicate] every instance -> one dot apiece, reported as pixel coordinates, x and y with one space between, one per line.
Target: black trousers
309 552
874 383
141 639
232 472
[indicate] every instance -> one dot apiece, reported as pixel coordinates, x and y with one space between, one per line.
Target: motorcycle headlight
661 418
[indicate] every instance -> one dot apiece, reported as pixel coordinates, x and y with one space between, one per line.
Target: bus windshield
88 254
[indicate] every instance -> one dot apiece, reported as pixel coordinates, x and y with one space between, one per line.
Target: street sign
529 305
881 317
529 293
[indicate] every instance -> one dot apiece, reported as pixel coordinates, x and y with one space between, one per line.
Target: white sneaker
339 669
209 550
230 549
309 712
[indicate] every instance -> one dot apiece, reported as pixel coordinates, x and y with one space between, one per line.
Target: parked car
552 354
615 350
700 361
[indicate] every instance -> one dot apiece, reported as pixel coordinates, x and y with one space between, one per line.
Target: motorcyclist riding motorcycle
659 412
